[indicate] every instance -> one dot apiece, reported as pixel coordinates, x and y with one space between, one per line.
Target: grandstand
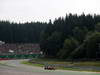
19 49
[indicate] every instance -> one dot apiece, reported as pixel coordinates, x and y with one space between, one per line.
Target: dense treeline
72 36
21 33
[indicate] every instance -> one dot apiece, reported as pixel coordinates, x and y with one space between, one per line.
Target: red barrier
5 59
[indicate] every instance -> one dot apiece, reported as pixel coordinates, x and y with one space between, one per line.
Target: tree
88 48
97 27
52 44
92 45
79 33
68 47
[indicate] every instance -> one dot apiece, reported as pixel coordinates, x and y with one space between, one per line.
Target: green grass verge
88 63
57 61
31 64
77 69
79 63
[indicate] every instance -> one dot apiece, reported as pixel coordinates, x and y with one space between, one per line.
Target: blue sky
43 10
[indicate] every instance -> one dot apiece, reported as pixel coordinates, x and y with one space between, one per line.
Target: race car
49 67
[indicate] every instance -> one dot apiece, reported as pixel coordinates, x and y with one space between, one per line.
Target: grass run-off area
63 64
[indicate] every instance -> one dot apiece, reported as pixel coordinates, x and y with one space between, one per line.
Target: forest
73 36
21 32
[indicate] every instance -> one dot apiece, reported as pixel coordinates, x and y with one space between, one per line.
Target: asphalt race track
14 67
